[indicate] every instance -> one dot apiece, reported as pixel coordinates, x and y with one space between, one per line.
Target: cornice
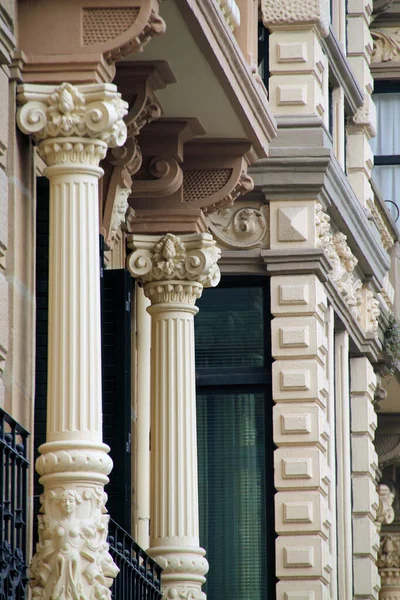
341 72
245 88
304 174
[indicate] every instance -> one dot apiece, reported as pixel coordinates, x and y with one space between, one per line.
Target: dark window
386 144
235 449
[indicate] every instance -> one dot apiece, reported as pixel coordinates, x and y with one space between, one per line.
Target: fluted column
73 127
174 271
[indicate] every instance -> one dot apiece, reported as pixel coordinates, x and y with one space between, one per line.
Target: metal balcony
139 577
13 508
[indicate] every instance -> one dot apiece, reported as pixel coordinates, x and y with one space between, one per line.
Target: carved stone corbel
184 177
137 83
83 38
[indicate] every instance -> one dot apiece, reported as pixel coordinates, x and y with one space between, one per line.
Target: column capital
166 264
72 123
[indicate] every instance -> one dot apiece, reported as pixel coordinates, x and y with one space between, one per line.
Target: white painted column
73 126
174 271
142 423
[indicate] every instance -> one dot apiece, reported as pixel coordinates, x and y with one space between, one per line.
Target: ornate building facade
159 160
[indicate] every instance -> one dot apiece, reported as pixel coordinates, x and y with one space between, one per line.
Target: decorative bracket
182 176
83 39
137 82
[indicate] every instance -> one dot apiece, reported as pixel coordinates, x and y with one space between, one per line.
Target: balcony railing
13 508
139 577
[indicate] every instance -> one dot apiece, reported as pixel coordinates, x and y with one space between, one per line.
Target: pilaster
300 339
73 127
299 68
173 271
362 126
364 467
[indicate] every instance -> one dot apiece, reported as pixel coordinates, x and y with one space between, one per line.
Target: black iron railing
13 508
139 577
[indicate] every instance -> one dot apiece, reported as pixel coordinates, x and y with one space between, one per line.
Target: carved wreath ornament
72 561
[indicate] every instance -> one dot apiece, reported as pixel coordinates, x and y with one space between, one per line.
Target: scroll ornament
192 259
63 119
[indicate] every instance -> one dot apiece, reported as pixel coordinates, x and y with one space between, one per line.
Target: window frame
214 380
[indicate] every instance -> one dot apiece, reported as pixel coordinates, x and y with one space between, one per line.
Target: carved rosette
72 125
172 268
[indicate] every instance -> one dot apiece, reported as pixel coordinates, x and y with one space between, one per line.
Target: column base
72 560
184 570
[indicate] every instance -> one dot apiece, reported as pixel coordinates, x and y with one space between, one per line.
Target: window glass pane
231 454
387 141
387 178
230 328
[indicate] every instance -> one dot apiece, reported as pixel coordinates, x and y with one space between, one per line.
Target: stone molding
243 84
342 73
99 33
286 14
287 174
72 124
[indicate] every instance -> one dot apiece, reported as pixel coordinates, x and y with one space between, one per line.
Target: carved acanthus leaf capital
176 261
68 121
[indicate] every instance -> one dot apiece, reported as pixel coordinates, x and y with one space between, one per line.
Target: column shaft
74 363
174 505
